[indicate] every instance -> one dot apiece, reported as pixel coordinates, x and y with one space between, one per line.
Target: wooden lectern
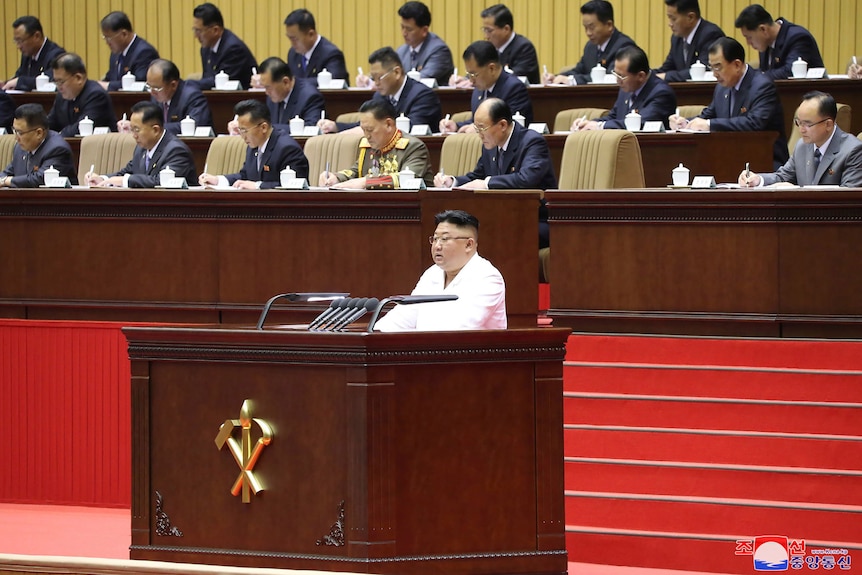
376 453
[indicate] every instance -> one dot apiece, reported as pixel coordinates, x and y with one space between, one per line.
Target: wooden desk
727 262
380 459
215 257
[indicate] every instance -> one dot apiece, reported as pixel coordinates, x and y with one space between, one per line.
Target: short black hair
416 11
255 108
685 6
151 113
167 69
483 52
33 114
277 69
826 103
459 218
380 108
70 62
116 21
498 110
602 9
302 18
729 48
387 57
501 14
753 16
638 60
31 24
209 14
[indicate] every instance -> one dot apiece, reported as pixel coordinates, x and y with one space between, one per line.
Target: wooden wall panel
364 25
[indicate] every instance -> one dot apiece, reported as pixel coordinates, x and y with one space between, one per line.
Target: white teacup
324 77
51 174
128 80
85 126
403 123
799 68
680 176
286 176
165 176
42 81
633 122
221 80
697 71
187 126
597 74
297 125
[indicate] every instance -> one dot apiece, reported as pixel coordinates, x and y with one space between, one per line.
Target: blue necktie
147 163
816 159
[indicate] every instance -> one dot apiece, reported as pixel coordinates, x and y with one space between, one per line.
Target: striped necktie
817 156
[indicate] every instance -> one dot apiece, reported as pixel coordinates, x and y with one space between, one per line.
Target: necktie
413 58
120 65
147 163
816 159
685 50
599 55
304 63
258 154
732 99
500 161
166 107
283 119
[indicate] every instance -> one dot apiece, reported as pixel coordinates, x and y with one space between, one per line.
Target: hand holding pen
747 179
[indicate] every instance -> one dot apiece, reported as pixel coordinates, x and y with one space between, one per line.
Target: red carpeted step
719 516
699 480
692 446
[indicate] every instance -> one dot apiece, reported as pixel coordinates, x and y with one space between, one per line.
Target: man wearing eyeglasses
410 98
221 49
309 51
270 150
824 155
516 51
156 150
77 98
641 91
129 52
37 148
37 53
458 270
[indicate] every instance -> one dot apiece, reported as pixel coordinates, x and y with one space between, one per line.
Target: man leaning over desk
37 53
129 52
36 149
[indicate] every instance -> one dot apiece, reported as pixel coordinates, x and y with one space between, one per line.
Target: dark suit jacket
29 171
841 165
137 60
7 111
591 57
170 152
521 57
757 107
792 42
434 59
233 57
418 102
29 68
507 88
656 101
304 101
326 55
93 102
188 100
676 66
281 151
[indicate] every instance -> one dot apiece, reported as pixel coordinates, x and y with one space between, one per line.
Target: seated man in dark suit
692 37
38 148
824 155
641 91
37 53
7 111
78 98
309 51
156 150
423 50
221 49
270 150
779 42
516 51
129 52
513 158
744 99
410 98
604 40
486 74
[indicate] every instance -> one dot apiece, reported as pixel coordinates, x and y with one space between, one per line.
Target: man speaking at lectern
458 270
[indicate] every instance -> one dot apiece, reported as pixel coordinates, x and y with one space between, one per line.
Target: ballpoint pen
580 122
854 61
327 170
747 170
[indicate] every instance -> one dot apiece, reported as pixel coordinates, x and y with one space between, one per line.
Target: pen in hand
327 172
747 170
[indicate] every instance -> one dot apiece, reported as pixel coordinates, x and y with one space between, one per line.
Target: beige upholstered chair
601 159
7 144
565 118
106 152
843 119
459 153
461 117
691 110
347 118
340 150
859 135
226 155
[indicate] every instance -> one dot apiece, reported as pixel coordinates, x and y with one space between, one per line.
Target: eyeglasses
487 29
155 89
443 240
379 78
19 41
23 132
808 125
109 38
244 131
471 75
481 129
619 77
61 81
199 31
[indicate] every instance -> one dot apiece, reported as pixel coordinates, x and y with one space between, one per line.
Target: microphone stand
294 297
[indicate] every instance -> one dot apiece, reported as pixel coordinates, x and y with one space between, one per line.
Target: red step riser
711 383
719 449
672 516
719 483
727 416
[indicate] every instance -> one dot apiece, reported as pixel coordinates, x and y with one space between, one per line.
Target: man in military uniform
383 152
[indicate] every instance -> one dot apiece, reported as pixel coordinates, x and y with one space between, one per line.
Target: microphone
292 297
351 310
406 300
345 310
333 308
370 305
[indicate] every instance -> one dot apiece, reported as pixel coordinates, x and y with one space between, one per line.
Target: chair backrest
691 110
843 120
340 150
565 118
461 117
459 153
226 155
7 144
601 159
106 152
347 118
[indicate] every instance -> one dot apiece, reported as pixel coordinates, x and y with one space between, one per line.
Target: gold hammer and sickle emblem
245 452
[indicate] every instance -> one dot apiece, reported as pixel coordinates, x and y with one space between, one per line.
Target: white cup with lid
297 126
680 176
799 68
633 121
324 77
597 74
85 126
697 71
128 80
286 176
414 74
221 80
403 123
50 175
165 176
519 117
42 81
187 126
